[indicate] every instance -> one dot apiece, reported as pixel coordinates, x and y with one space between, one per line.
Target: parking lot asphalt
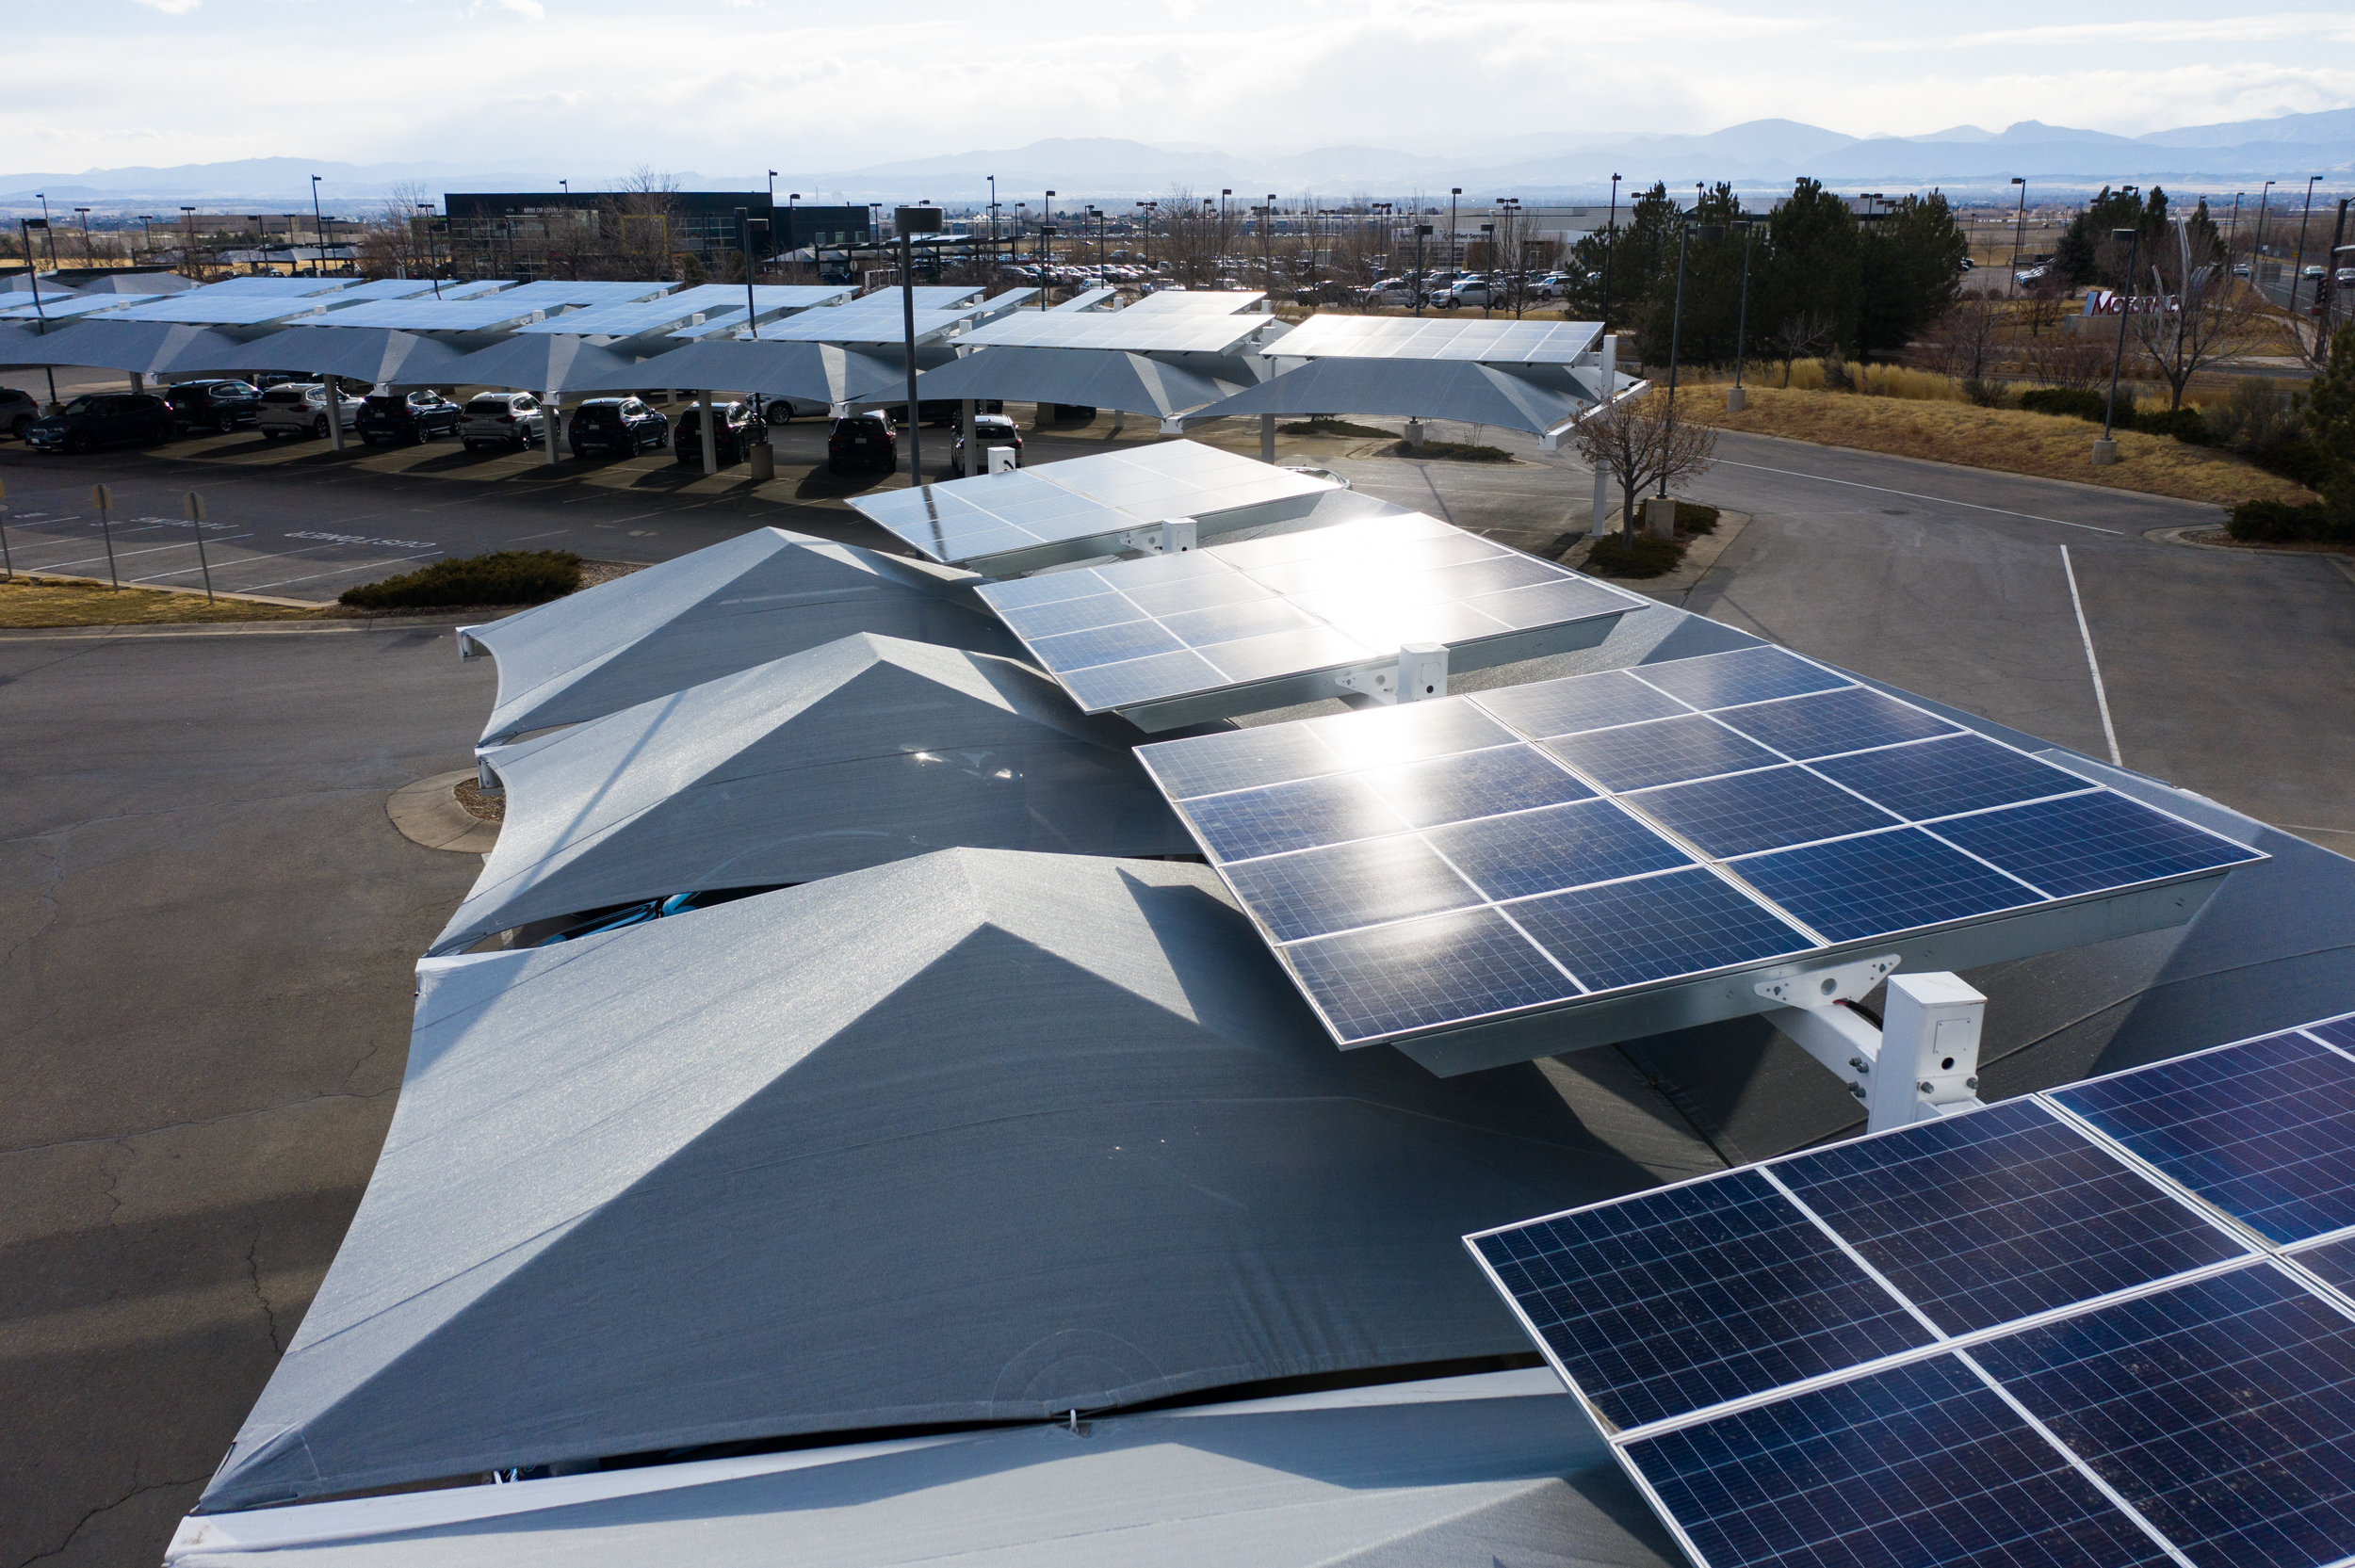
208 928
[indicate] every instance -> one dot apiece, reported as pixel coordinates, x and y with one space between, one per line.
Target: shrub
2183 424
2295 457
501 578
1694 518
1326 425
1642 557
2279 523
1457 451
2065 400
2259 412
2186 424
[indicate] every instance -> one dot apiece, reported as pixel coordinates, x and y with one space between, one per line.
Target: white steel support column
964 432
552 422
711 438
335 412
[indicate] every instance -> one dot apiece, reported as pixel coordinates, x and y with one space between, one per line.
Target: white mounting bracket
1922 1064
1170 536
1419 676
1003 460
467 647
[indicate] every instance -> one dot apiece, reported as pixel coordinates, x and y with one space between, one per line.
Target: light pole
147 232
909 220
1610 248
1489 238
744 223
1511 207
432 262
1675 331
88 254
187 256
1151 211
32 275
2326 291
47 230
2298 266
1454 255
1421 230
2232 235
1046 247
2105 451
1735 398
2257 250
318 225
2019 233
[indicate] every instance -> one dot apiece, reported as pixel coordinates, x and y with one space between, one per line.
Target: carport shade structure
369 356
813 372
715 1178
1094 377
743 602
141 347
1538 399
865 751
538 363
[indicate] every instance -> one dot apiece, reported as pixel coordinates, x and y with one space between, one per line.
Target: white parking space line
1915 495
2084 633
361 566
119 556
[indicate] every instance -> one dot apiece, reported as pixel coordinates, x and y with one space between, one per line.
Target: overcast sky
745 84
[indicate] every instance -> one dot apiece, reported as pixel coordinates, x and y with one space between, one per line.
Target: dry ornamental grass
26 603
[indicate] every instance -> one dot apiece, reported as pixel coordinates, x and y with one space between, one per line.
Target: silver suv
300 408
502 419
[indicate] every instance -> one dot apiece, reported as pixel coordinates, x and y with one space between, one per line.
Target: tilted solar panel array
1440 863
2105 1324
1168 331
995 514
1290 604
1200 301
1388 337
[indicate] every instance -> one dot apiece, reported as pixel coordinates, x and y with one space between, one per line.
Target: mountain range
2059 160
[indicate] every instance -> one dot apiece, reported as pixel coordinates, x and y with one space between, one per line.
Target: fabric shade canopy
745 601
1097 378
813 372
532 362
865 751
1474 1471
1537 400
978 1136
143 347
370 355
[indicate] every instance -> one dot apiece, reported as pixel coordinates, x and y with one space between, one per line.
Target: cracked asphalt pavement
207 926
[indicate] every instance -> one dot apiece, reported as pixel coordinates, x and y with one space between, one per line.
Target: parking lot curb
427 812
158 588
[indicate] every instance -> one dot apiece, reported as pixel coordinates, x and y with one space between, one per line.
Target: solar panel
857 323
1136 332
1033 517
1392 337
1274 622
2264 1130
68 306
382 288
1725 851
255 310
1199 302
430 315
1923 1346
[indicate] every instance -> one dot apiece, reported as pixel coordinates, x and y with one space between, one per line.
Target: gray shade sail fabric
815 372
535 363
743 602
1103 378
865 751
1415 389
372 355
978 1136
1464 1472
143 347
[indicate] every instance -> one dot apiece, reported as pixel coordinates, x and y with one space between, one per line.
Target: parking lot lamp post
1488 239
1676 324
1046 247
147 230
1421 231
46 229
1218 262
88 254
318 225
1742 319
2298 266
32 275
745 224
2232 235
2257 248
1454 243
993 217
2106 452
1151 210
187 253
1610 247
2020 232
432 258
909 220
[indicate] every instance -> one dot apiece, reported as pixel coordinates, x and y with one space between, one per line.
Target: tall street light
1610 248
52 232
910 220
2257 250
147 230
2018 234
433 261
1454 255
2106 450
88 254
2297 268
32 276
318 225
1734 400
1676 327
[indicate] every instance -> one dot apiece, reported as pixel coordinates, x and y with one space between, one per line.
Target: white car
301 409
1472 291
503 419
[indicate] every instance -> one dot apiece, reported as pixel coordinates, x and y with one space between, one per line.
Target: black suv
865 440
419 416
622 425
18 409
730 423
103 419
213 405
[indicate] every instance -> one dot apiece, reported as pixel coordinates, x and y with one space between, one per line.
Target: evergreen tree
1912 271
1813 268
1713 288
2330 421
2088 255
1632 253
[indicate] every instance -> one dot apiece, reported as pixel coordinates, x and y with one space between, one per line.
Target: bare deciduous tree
1805 333
1642 444
2213 317
1966 343
2068 360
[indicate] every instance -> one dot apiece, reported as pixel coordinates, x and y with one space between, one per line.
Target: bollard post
196 516
102 499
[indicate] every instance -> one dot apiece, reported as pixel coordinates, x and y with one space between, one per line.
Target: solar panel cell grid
2264 1130
1764 810
2223 1409
1852 888
1924 1466
1372 983
1476 341
1322 891
2334 1262
2083 843
1613 934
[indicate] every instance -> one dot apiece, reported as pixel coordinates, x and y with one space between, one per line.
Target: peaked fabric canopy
865 751
371 355
975 1136
1470 1472
815 372
1533 400
531 363
745 601
1098 377
143 347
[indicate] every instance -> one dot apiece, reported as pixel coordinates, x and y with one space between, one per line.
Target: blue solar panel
1247 824
1476 783
1081 614
1684 1297
1347 885
1921 1465
2086 842
2338 1031
1540 851
2334 1261
2264 1130
1443 969
1239 759
1108 685
1983 1218
1578 702
1666 751
1939 778
1655 928
2223 1409
1747 676
1764 810
1880 883
1409 733
1851 720
1132 639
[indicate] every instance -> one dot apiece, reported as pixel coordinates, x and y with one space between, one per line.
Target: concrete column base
1414 433
764 462
1735 397
2104 453
1660 517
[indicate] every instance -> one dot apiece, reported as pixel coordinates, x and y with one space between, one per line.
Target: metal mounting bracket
1419 676
1841 982
1170 536
1922 1064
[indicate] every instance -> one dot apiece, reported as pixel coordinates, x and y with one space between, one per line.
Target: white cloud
171 7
